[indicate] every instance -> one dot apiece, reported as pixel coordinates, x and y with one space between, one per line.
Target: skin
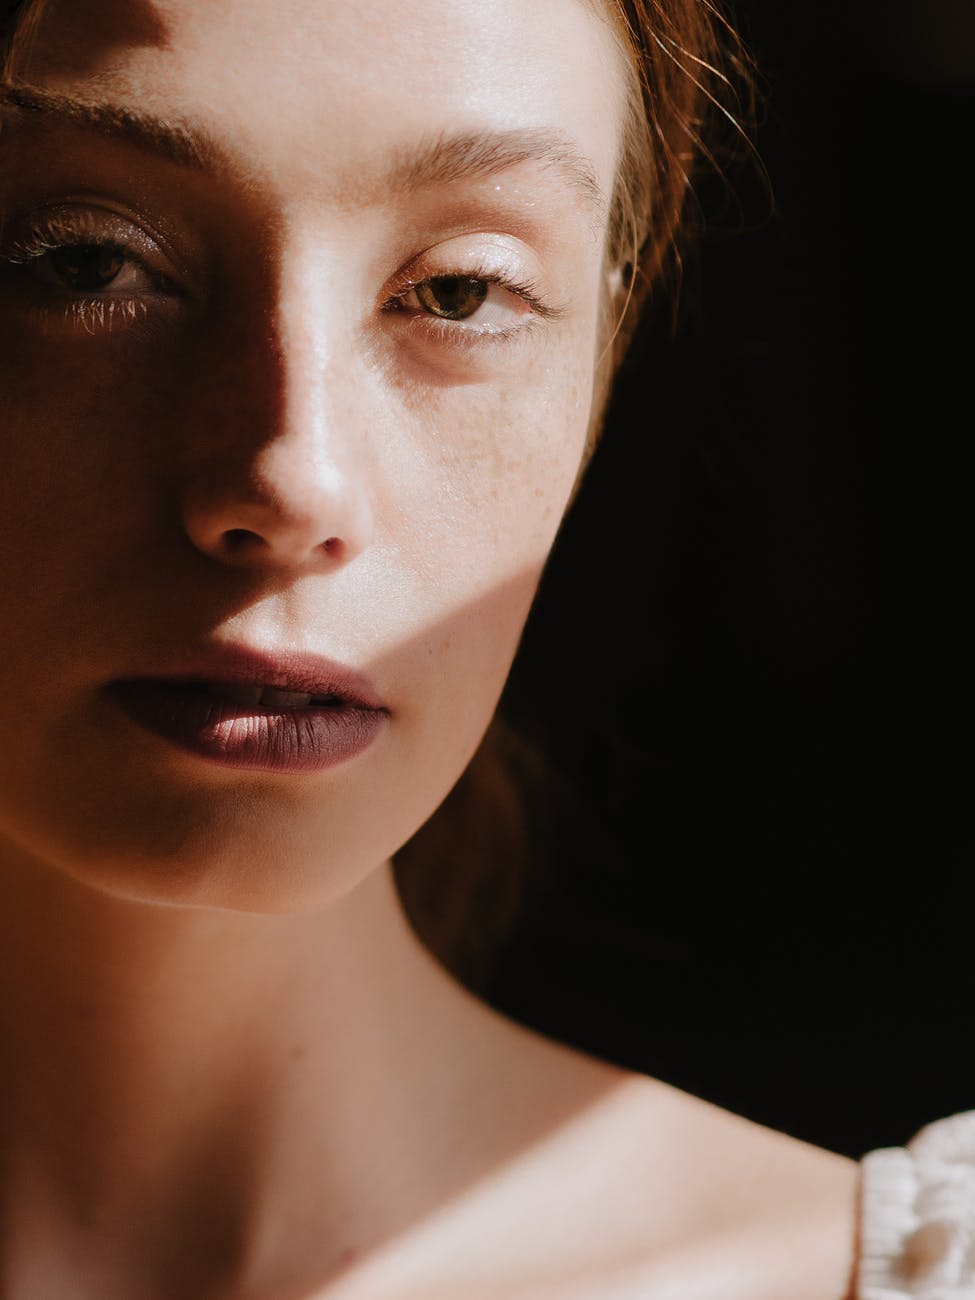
229 1067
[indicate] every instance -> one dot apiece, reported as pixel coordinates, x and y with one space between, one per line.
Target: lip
169 700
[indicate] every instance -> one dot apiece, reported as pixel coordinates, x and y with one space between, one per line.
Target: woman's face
299 311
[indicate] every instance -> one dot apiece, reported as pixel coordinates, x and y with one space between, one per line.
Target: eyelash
99 311
460 333
94 311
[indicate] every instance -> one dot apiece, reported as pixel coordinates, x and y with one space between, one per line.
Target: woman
308 314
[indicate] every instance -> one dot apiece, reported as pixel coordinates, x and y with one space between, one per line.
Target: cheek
498 466
78 461
497 462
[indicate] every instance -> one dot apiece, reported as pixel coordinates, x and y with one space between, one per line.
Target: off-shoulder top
917 1217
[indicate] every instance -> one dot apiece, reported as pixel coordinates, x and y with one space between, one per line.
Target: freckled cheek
507 457
498 465
477 477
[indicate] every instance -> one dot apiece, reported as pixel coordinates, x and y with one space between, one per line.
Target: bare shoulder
621 1187
740 1209
650 1191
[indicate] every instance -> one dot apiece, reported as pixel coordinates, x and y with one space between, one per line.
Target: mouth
268 698
291 715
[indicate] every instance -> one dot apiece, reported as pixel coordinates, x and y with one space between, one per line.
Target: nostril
241 543
238 539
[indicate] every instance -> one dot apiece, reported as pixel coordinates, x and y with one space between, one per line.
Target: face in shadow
300 307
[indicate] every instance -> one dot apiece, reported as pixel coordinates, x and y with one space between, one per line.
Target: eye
464 306
76 257
451 297
469 292
92 268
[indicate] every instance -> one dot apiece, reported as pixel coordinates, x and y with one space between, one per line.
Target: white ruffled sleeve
917 1225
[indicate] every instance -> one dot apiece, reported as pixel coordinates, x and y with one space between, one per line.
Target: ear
614 280
619 281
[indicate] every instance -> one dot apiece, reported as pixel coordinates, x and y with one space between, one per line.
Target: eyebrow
442 160
177 142
478 155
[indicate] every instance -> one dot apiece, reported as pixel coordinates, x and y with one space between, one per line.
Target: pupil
453 296
87 267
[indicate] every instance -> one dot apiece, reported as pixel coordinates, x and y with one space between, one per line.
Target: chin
230 850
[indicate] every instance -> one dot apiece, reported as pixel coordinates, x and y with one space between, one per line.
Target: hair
688 72
465 875
19 19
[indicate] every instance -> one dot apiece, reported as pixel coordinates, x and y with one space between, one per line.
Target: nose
279 476
293 510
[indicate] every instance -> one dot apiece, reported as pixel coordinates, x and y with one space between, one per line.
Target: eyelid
488 258
37 246
524 291
67 223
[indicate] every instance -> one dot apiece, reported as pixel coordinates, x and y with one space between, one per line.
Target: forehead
322 85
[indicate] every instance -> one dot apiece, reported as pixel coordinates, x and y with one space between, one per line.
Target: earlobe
614 280
620 282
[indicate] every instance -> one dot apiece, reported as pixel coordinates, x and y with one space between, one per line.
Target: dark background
750 654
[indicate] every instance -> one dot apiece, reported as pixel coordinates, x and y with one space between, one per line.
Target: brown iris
86 268
452 297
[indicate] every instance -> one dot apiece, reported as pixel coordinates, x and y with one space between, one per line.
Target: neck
228 1082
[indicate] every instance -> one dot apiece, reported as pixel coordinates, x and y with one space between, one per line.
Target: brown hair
464 875
689 72
20 19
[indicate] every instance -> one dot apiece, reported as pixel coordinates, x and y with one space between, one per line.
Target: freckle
297 1053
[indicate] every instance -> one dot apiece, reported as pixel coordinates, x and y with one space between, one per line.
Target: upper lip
285 670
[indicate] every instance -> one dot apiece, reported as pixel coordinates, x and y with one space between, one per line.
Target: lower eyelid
460 336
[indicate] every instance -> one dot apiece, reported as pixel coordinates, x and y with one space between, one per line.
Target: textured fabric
918 1216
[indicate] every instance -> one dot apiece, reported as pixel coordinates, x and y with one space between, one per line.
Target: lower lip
249 736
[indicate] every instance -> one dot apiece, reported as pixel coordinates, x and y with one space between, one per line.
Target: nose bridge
304 427
293 484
